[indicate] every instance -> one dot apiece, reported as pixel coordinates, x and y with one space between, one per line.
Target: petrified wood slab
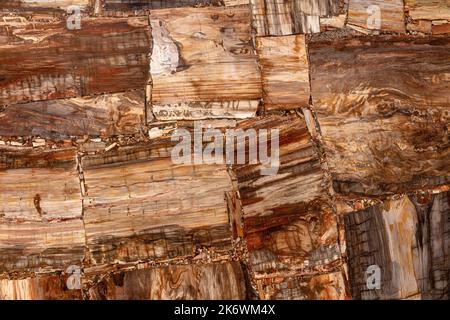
428 16
51 62
38 288
203 63
103 115
126 5
333 22
318 287
147 208
211 282
408 239
440 27
274 17
27 157
428 9
299 179
384 128
12 23
40 213
287 224
386 15
285 71
231 3
206 110
43 4
296 243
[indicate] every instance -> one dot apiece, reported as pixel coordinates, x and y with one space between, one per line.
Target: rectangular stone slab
287 223
428 16
189 282
385 15
50 61
102 115
428 9
41 213
127 5
327 286
276 18
285 71
407 240
43 4
299 179
42 287
203 64
141 206
383 108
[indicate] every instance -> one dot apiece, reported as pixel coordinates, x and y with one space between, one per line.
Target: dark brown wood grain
103 115
28 157
329 286
298 181
126 5
43 5
52 62
288 225
297 243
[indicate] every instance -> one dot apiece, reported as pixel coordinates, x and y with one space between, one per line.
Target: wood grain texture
428 9
383 108
284 71
296 243
428 16
440 27
87 176
126 5
298 181
333 22
408 239
287 224
319 287
435 27
364 14
203 55
50 62
188 282
206 110
40 213
231 3
38 288
103 115
28 157
150 208
43 4
277 17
